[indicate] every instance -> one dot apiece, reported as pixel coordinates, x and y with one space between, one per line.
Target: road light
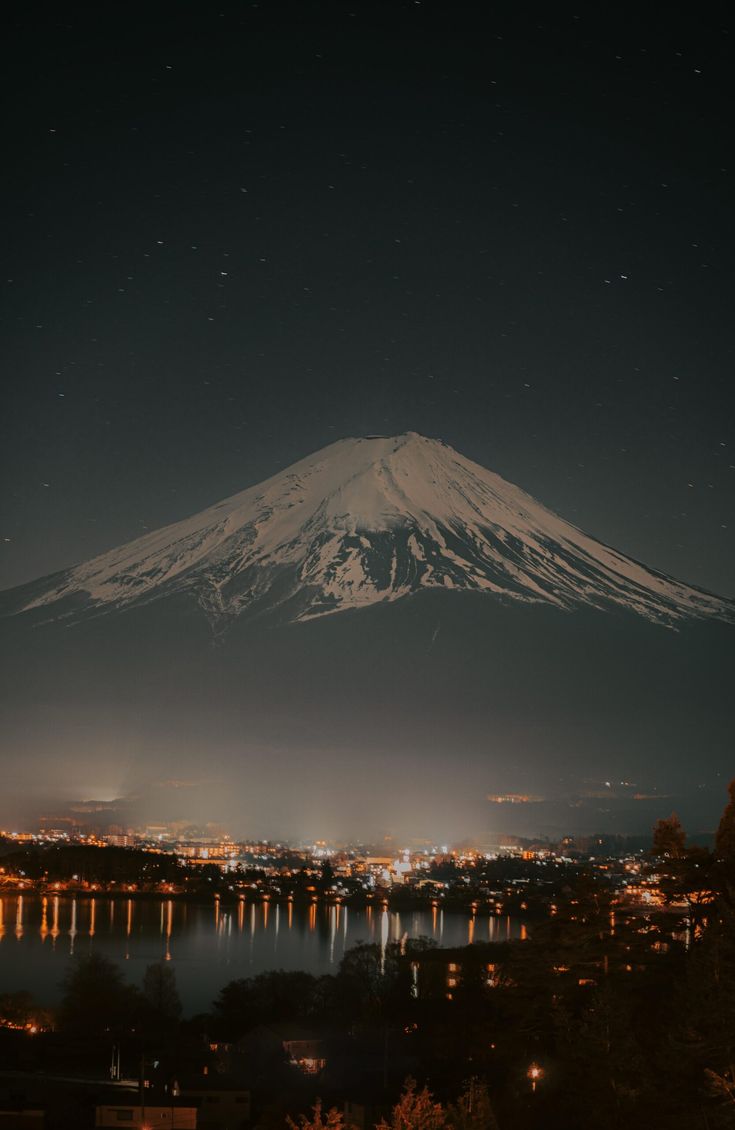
535 1074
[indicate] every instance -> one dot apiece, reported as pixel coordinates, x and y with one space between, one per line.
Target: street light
535 1074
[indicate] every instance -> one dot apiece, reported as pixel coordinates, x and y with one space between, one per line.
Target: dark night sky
237 232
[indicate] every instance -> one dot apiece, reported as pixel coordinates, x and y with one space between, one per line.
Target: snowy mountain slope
368 520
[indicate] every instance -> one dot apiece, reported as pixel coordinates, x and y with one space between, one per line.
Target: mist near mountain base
399 719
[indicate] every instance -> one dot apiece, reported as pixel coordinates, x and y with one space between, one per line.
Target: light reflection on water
209 944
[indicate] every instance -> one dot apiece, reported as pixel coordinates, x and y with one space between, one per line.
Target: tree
361 979
669 838
725 838
687 875
371 979
160 992
473 1109
270 997
416 1110
327 876
96 999
700 1045
334 1120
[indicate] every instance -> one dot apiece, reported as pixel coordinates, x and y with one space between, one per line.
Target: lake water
206 945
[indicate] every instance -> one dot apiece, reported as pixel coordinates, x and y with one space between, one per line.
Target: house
22 1118
442 972
221 1103
289 1043
306 1053
172 1116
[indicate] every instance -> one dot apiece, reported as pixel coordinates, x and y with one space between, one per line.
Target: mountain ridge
367 520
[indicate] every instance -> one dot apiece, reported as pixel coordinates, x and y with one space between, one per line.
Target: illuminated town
510 877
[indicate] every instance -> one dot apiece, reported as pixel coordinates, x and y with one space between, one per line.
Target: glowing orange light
535 1074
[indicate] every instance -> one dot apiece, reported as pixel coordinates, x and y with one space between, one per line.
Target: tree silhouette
334 1120
669 838
160 992
416 1110
725 838
265 999
473 1109
96 999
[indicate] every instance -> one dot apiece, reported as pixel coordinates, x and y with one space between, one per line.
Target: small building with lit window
172 1116
221 1102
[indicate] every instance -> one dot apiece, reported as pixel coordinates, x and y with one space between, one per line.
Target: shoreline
478 907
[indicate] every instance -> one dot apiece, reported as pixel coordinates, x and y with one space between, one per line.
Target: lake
207 945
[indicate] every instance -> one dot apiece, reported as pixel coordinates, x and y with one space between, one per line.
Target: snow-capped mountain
368 520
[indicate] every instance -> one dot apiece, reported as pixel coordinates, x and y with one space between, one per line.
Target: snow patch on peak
374 519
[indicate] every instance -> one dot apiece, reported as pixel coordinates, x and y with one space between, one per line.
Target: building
221 1103
172 1116
442 972
289 1043
22 1118
306 1053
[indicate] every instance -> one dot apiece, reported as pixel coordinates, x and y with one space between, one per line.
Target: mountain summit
363 521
